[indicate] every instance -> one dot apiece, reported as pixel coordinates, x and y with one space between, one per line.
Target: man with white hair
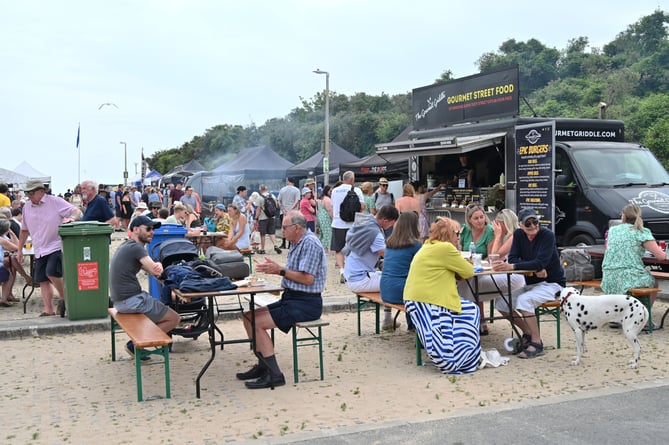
97 208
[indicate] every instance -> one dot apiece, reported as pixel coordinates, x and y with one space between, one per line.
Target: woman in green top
479 230
623 267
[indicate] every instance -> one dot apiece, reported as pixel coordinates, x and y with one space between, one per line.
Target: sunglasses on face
383 185
148 229
531 222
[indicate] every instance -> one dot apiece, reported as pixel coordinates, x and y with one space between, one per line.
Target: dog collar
564 300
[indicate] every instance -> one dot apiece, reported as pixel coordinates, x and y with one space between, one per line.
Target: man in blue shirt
97 207
303 281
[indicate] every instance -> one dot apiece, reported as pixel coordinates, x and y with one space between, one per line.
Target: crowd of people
390 247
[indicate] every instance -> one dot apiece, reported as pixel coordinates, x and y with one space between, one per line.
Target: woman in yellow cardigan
447 325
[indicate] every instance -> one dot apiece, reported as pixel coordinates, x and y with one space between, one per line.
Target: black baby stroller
175 256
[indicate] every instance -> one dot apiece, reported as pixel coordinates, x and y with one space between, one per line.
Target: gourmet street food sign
469 99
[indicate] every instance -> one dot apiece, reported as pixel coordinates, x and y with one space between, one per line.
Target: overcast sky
175 68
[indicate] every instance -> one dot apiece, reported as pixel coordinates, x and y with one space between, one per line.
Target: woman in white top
239 236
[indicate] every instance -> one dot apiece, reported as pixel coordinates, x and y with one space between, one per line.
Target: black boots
271 374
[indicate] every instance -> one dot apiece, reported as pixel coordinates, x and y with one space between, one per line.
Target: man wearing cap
155 206
289 199
382 197
42 215
533 248
126 292
97 207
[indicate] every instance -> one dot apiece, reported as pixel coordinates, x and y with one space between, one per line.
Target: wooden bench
312 335
365 298
587 283
144 334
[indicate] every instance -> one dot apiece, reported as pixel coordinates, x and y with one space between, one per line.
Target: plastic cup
493 258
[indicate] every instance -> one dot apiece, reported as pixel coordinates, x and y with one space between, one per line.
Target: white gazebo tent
30 172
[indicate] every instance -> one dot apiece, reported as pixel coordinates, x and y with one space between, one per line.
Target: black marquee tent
314 164
251 167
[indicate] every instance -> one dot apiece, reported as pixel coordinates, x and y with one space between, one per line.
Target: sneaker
130 349
388 326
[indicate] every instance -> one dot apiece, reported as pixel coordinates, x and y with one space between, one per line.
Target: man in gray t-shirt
126 292
289 199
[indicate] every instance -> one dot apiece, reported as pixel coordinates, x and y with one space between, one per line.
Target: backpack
392 197
270 206
576 263
349 206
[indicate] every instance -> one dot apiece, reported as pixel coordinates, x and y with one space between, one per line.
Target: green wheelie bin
86 268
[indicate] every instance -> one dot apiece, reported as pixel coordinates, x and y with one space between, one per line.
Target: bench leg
163 351
114 326
377 309
555 313
419 351
311 340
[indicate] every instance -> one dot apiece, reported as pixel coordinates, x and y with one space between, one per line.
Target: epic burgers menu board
535 158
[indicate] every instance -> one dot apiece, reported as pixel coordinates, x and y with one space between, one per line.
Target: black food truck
577 174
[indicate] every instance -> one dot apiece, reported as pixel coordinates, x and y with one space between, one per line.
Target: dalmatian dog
586 312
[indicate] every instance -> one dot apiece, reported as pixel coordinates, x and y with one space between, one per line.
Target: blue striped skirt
451 339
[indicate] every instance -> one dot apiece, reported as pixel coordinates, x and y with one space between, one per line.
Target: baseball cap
34 185
143 220
383 181
221 207
306 190
526 214
156 205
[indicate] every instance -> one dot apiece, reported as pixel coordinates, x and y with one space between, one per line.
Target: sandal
277 250
261 252
525 340
5 304
46 314
538 350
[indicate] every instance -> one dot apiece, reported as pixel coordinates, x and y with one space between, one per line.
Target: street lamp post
326 145
125 163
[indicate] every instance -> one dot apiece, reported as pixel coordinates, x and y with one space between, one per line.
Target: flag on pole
78 130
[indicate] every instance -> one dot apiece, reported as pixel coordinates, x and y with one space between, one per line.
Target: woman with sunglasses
534 249
447 325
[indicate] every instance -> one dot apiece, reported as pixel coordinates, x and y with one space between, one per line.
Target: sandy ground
65 389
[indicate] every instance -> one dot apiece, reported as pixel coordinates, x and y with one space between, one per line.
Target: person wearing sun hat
308 209
382 196
42 214
125 290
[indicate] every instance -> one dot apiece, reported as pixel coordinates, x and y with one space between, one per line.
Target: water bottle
472 251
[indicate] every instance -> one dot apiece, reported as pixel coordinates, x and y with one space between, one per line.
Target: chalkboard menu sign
535 157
